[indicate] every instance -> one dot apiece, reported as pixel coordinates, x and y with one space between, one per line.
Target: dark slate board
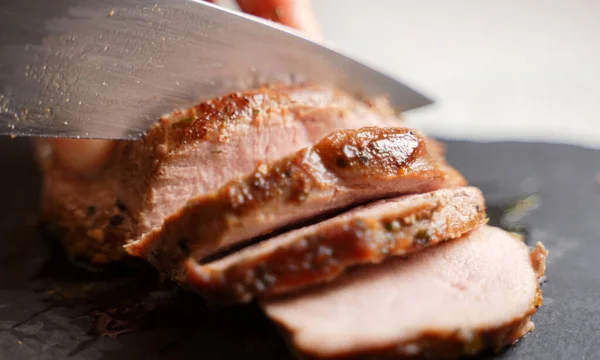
51 308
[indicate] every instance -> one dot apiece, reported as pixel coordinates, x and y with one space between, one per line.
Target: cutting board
54 308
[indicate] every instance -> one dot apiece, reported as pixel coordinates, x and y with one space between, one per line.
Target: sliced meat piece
347 167
454 299
321 252
187 153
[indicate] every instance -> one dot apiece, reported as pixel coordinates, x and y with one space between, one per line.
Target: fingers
294 13
82 156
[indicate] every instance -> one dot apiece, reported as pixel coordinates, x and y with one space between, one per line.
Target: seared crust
321 252
96 215
427 342
345 168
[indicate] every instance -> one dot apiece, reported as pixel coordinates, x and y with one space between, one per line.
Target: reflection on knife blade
109 69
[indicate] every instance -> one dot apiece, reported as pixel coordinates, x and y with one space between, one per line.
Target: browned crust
445 345
417 221
98 235
206 223
216 120
538 259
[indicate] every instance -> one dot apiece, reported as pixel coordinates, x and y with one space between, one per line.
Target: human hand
86 156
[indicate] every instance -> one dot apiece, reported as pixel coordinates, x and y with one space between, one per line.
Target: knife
110 68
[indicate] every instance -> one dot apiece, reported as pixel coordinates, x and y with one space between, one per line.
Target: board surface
51 308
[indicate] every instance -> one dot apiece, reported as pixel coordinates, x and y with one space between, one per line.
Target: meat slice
321 252
345 168
188 153
458 298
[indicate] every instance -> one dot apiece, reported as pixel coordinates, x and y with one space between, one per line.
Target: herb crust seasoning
455 299
194 151
296 188
321 252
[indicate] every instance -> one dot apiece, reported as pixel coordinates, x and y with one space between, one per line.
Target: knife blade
110 68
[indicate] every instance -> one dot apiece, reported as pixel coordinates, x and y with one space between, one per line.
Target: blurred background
497 69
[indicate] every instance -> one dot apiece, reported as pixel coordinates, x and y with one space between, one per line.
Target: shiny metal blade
111 68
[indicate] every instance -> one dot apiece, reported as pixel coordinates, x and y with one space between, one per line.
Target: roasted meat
347 167
454 299
321 252
190 153
351 231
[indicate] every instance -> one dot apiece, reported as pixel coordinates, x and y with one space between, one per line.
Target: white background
498 69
